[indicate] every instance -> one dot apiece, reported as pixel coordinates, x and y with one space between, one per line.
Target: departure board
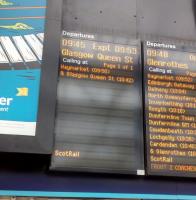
99 105
170 105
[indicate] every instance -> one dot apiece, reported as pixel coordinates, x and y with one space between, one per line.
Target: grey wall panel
109 17
54 9
168 18
128 18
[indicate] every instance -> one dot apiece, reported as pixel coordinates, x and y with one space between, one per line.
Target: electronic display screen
21 46
22 40
170 105
99 105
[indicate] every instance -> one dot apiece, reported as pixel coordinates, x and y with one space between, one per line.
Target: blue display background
27 13
37 25
25 3
22 108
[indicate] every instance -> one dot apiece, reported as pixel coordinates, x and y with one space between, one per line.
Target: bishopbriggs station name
161 45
